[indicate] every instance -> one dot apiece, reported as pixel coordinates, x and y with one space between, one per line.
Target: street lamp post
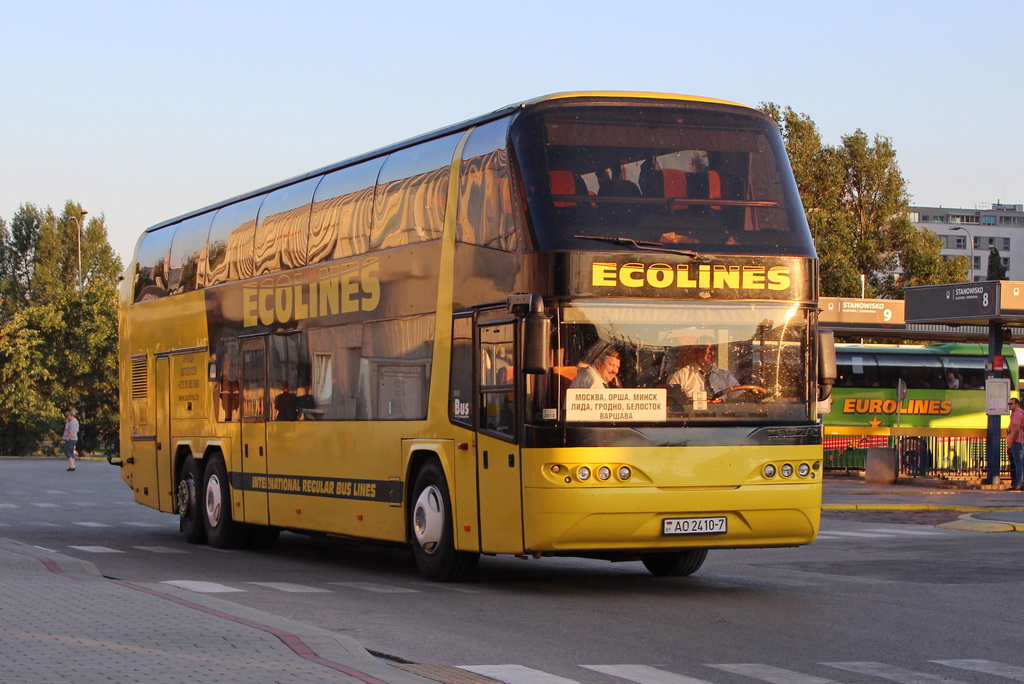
970 267
78 225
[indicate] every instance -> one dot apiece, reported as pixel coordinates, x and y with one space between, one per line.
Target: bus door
254 427
498 464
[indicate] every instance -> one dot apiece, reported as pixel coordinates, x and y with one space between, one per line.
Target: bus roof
447 130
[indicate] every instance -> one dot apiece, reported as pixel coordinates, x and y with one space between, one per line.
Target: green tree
58 341
857 206
996 269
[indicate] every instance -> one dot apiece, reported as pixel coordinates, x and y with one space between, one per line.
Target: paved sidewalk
981 510
60 621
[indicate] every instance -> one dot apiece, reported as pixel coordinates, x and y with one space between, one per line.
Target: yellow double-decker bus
583 325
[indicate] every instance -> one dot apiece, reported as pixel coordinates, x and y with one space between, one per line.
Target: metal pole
993 435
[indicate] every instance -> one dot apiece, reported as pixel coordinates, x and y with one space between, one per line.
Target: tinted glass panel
412 192
188 254
703 362
342 213
689 176
232 236
151 272
486 215
281 231
919 371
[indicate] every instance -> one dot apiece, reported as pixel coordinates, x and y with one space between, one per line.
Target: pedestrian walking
71 437
1015 444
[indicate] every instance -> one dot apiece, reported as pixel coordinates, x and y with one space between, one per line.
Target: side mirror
534 332
826 363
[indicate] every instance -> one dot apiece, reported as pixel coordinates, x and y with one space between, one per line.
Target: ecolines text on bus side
332 290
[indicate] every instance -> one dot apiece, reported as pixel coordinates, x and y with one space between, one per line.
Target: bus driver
699 372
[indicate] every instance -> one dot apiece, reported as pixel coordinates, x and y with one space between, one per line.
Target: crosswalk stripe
516 674
160 549
873 535
377 588
918 533
91 524
96 549
891 672
644 674
292 588
9 505
987 667
47 505
143 524
202 587
770 673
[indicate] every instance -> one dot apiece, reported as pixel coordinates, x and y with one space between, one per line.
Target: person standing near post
71 437
1015 443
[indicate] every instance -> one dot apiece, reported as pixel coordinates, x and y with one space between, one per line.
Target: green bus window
230 248
282 227
151 265
412 193
486 215
343 212
188 254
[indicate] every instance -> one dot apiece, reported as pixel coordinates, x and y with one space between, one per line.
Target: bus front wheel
222 531
431 526
677 564
190 517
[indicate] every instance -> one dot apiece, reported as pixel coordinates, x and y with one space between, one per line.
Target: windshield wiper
638 244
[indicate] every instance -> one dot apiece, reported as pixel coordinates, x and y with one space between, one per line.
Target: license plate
715 525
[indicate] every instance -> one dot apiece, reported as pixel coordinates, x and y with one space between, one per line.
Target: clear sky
142 110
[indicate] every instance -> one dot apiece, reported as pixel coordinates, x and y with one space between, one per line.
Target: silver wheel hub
186 497
428 519
214 501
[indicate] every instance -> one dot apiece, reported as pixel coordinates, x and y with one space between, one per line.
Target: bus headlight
625 473
603 473
786 470
803 470
583 473
769 471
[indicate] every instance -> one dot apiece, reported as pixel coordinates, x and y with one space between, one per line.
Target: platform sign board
966 303
861 316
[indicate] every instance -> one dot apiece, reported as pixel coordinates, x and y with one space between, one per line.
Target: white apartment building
974 232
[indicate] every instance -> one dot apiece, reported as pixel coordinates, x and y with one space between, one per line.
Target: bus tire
430 525
676 564
222 531
190 515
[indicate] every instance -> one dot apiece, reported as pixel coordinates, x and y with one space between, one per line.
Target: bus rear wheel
222 531
676 564
431 527
190 517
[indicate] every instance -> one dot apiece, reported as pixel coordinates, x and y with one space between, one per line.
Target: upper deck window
412 193
188 254
151 270
281 230
342 212
707 178
232 238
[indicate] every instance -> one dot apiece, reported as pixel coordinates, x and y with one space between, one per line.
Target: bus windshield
683 178
703 362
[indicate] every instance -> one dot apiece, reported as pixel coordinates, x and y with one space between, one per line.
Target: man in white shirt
70 437
698 372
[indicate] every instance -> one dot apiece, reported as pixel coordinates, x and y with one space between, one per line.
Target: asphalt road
869 601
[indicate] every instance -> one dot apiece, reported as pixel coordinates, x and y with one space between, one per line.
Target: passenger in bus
601 372
952 380
699 373
285 406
